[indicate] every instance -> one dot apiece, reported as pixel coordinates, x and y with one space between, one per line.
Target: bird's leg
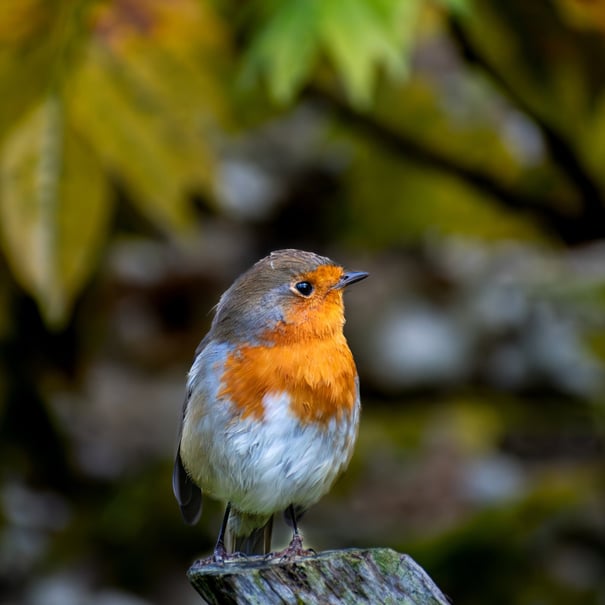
220 552
296 542
295 548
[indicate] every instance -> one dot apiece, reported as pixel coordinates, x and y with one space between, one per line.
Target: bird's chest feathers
318 375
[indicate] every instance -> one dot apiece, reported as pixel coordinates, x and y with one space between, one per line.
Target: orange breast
318 374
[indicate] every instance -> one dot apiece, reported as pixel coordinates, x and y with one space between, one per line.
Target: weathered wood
378 576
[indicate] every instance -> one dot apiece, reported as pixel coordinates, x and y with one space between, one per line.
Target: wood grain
378 576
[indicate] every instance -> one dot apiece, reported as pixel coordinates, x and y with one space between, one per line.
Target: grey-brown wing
186 492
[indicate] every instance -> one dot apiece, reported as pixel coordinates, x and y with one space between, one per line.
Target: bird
272 404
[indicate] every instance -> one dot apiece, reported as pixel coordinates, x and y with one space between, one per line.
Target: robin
272 407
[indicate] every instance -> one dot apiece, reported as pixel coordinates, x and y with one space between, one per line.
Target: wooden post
377 576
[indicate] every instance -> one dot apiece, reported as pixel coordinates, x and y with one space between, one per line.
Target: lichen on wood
378 576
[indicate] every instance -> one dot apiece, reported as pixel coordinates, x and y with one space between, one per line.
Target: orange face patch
317 316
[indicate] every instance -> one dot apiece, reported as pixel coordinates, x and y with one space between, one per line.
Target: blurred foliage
293 34
151 149
137 97
116 93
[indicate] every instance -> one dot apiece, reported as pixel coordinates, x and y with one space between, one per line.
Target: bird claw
220 556
293 550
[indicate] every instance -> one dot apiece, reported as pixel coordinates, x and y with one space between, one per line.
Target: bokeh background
151 150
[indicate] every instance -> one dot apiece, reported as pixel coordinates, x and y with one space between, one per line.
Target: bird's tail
248 534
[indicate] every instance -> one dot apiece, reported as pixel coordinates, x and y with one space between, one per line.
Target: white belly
263 466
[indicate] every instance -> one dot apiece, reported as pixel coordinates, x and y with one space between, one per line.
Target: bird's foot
293 550
220 556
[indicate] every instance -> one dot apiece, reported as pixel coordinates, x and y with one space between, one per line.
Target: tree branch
571 227
585 225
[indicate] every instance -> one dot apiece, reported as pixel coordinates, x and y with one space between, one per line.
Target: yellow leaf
28 47
134 140
54 209
149 95
582 14
22 20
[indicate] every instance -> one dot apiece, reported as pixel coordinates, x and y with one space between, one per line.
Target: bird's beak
350 277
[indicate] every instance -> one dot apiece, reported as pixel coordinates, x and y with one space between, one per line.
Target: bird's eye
304 288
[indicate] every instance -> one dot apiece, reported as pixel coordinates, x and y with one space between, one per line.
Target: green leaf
359 38
285 48
54 208
460 7
362 35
